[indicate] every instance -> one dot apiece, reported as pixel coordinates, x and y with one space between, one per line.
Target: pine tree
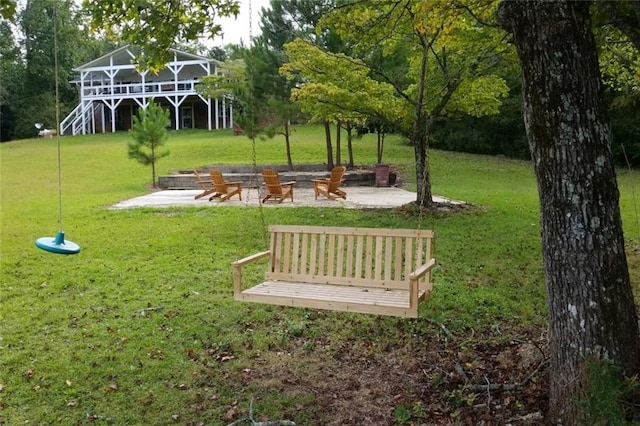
149 133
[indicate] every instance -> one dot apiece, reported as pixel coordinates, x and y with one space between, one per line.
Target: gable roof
124 56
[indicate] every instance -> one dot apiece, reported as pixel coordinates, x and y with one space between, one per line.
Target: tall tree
157 25
149 134
591 310
442 60
337 88
52 34
285 21
273 91
11 74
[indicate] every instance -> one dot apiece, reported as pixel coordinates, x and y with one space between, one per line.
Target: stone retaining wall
303 175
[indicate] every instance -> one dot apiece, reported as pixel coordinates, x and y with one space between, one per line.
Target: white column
224 114
83 75
217 112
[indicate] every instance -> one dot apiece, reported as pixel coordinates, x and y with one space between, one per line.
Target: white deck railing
132 90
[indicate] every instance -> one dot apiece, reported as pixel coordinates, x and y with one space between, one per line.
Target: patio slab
357 198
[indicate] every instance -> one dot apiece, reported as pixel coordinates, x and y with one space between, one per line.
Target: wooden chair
330 187
206 185
276 191
224 190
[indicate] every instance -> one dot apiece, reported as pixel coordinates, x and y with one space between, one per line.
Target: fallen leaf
231 410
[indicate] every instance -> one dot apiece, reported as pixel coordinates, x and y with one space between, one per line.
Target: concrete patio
357 198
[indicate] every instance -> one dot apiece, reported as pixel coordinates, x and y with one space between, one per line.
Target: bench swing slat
366 270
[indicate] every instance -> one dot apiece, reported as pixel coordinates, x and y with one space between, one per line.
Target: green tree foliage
260 98
283 22
273 92
617 30
338 88
233 82
8 8
11 74
149 134
421 60
157 25
50 32
287 20
29 82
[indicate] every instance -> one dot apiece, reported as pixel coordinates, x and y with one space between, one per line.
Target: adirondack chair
206 185
223 189
330 187
276 191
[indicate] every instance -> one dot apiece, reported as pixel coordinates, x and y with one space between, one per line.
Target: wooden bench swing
365 270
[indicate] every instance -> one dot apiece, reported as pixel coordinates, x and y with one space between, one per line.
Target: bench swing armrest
422 270
414 277
237 269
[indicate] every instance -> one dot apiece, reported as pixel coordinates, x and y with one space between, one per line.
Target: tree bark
287 142
590 303
327 135
420 137
349 128
338 143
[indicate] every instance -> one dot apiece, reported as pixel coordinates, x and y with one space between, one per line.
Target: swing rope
254 124
57 91
57 244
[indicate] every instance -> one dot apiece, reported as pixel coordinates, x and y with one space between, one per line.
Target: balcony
137 89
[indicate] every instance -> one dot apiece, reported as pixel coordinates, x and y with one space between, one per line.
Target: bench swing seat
364 270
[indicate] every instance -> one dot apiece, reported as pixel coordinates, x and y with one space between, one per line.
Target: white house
112 90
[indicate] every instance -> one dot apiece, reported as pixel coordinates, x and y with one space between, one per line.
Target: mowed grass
141 328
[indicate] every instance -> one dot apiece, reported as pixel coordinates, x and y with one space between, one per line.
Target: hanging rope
57 244
254 159
55 75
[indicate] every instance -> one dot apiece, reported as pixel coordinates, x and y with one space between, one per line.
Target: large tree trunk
419 138
338 143
327 135
349 128
591 309
287 142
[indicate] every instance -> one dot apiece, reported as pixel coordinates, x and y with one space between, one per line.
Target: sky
236 30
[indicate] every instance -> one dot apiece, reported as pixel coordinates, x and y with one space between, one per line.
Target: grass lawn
140 328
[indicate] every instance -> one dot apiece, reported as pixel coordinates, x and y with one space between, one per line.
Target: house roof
124 56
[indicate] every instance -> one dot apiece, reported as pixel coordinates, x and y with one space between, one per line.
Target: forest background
27 78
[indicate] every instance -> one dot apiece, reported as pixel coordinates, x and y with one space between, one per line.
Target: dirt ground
442 381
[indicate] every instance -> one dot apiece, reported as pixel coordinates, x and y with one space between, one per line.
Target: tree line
291 30
27 69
